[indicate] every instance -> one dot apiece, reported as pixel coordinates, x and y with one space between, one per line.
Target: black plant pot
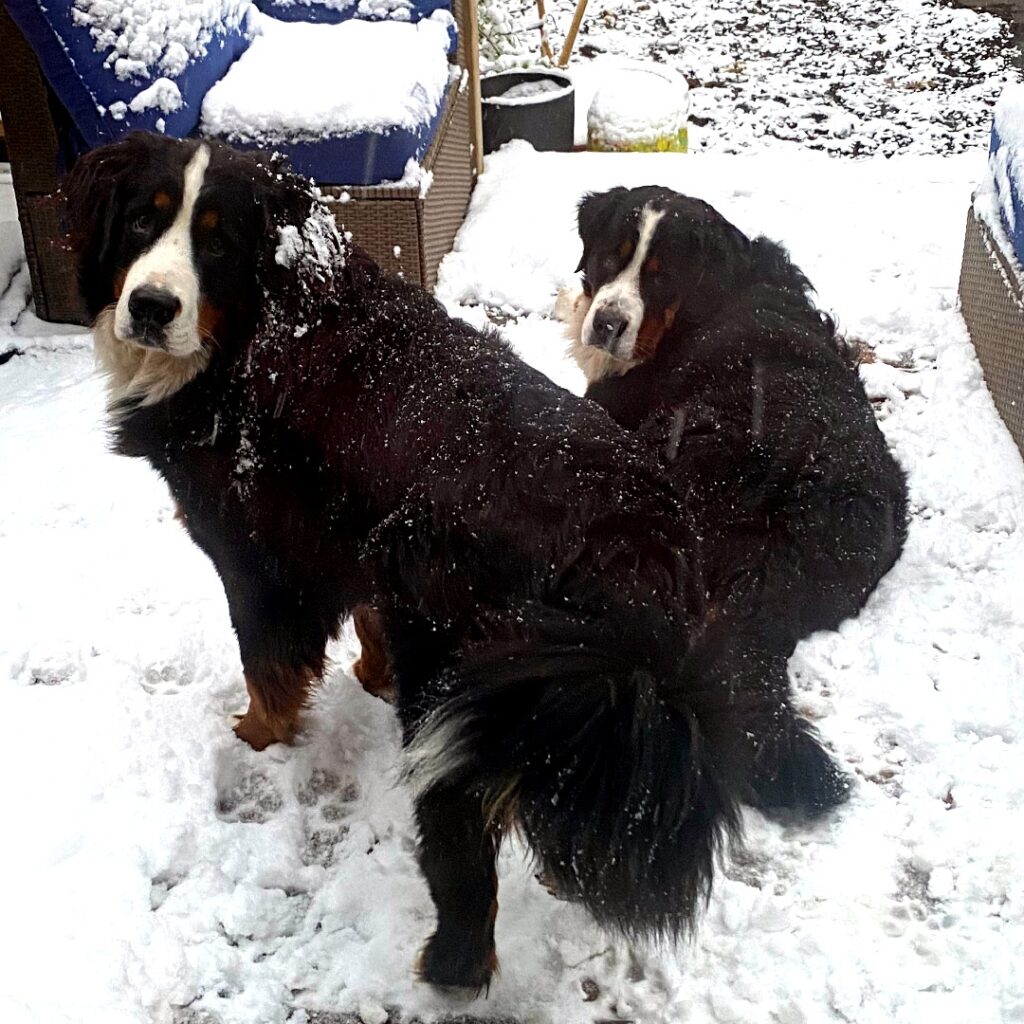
546 119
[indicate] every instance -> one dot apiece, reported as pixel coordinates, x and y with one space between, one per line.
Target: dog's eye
143 223
215 246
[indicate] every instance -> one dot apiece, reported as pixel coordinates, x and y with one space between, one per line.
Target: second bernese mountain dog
334 439
707 342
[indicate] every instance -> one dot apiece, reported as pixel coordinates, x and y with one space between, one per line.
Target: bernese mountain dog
709 345
334 440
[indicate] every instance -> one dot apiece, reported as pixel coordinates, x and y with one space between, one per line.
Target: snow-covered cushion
1006 163
349 104
335 11
118 66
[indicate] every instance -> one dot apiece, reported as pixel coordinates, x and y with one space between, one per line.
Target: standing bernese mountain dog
333 439
708 344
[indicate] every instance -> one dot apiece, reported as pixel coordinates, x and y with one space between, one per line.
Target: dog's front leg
457 856
277 695
373 668
282 635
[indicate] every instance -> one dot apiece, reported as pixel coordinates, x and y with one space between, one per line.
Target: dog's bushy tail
575 734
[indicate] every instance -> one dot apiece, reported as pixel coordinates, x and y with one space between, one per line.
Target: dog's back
716 354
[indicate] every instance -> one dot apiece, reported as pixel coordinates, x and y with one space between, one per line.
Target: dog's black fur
348 442
762 424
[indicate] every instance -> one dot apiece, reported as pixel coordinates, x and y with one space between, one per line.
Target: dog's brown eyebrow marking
161 200
653 265
626 249
209 220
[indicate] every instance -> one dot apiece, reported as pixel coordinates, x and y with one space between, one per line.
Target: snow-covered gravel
850 77
155 870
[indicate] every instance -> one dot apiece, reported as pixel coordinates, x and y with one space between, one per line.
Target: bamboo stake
476 127
570 39
545 46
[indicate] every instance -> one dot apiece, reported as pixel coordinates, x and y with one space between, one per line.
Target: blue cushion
367 158
1006 163
335 11
103 106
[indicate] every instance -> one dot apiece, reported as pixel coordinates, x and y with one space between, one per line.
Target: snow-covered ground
155 870
850 77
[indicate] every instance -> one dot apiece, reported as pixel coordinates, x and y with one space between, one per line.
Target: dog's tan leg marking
373 669
277 695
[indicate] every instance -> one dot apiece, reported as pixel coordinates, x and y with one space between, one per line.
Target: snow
540 90
1006 162
415 176
317 244
157 871
638 104
528 90
851 77
1008 116
302 81
165 872
397 10
156 35
163 93
329 5
988 207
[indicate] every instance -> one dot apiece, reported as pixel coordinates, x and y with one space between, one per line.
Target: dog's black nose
152 307
608 326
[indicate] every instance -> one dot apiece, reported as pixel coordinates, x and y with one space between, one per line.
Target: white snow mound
302 81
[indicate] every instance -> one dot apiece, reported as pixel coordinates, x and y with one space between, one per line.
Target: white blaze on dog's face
159 303
175 242
656 264
612 323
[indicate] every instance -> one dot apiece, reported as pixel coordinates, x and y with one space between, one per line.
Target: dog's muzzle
151 310
607 327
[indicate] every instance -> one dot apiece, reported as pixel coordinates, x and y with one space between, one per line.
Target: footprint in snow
327 801
249 797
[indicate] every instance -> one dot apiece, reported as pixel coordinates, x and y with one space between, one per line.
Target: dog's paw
457 966
260 732
801 777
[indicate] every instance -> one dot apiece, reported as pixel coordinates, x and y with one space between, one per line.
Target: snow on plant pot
536 104
639 109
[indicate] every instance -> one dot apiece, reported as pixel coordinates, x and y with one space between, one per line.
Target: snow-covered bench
992 271
365 96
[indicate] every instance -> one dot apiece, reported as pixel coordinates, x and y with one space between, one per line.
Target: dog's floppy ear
89 210
282 196
593 211
300 241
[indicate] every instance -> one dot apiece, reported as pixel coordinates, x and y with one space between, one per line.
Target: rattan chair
992 303
405 231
